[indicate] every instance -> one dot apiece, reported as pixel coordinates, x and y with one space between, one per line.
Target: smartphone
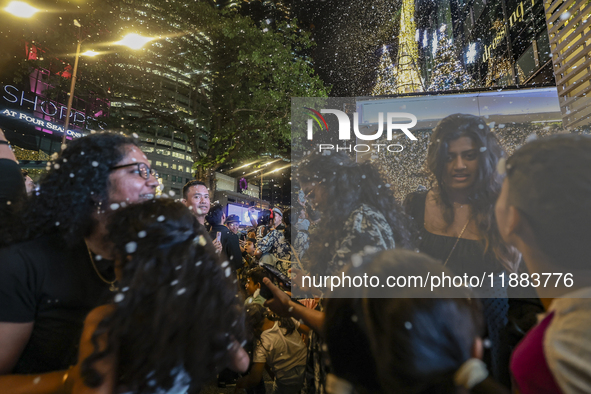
218 237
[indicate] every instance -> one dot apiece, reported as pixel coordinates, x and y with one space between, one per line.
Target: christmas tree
448 72
386 79
407 71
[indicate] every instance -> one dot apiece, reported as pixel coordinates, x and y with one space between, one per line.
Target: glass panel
527 64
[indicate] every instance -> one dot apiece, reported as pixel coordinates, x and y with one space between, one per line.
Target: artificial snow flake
131 247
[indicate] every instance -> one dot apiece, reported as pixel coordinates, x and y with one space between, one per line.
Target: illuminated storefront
34 123
499 43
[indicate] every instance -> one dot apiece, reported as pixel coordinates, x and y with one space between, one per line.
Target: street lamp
90 53
21 9
132 40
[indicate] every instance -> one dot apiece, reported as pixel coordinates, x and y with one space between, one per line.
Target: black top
230 244
13 184
44 282
469 257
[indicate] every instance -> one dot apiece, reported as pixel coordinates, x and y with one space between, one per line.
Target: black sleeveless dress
469 257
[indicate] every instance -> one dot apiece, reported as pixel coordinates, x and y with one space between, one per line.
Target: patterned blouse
275 243
366 231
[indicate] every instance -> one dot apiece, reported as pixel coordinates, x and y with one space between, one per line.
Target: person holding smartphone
229 241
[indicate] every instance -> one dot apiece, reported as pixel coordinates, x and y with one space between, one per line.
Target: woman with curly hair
359 214
62 267
455 219
163 332
358 210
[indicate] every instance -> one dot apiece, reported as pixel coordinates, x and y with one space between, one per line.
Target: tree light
21 9
471 54
134 41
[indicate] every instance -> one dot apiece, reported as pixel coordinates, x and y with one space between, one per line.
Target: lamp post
72 86
132 40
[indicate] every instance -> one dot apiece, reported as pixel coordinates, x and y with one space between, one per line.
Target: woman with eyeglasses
62 267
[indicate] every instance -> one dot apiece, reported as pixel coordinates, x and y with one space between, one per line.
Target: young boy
254 280
248 252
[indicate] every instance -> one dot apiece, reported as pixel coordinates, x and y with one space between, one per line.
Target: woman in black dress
455 218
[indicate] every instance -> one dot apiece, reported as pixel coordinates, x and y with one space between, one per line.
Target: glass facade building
499 43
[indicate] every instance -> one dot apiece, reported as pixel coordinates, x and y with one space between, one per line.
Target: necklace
456 244
111 284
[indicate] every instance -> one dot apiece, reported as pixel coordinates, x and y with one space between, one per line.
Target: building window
188 170
179 146
164 176
163 142
174 178
178 155
164 152
158 163
165 164
174 166
147 149
181 168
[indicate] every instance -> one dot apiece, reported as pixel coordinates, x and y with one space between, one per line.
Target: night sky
349 37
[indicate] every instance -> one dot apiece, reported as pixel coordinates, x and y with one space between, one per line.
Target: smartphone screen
218 236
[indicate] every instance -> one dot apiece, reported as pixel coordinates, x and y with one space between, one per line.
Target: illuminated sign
516 16
16 96
39 122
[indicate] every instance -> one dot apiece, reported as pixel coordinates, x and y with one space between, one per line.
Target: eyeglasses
142 170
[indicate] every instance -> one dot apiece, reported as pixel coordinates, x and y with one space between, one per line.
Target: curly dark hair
255 316
77 181
349 185
487 185
177 307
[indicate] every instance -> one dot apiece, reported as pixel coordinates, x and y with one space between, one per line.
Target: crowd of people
106 289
